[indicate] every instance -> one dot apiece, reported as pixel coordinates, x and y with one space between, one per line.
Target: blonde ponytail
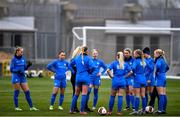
83 50
76 52
161 53
140 53
120 59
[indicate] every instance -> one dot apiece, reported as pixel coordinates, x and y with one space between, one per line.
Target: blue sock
95 97
161 103
16 94
83 102
120 103
61 99
53 98
146 96
88 95
74 101
127 100
28 98
144 103
137 100
132 101
111 103
165 103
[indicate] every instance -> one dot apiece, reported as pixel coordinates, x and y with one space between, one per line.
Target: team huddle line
136 73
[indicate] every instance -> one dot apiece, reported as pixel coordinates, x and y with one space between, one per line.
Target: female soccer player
75 53
95 77
84 66
138 69
59 66
120 70
129 80
149 73
161 67
17 68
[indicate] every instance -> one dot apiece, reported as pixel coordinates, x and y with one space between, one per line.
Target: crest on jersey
142 63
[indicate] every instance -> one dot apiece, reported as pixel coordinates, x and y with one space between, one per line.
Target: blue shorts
82 79
82 82
18 79
139 85
152 83
118 85
129 82
160 83
96 81
60 83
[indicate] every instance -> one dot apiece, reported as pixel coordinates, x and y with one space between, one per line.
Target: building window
16 40
1 39
120 41
154 43
138 42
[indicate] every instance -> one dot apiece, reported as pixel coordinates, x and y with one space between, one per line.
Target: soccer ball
149 109
102 111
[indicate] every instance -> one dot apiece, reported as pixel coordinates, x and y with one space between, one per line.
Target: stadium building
43 27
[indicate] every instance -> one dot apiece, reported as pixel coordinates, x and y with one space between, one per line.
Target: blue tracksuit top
18 64
83 65
59 67
149 70
139 70
161 68
98 65
129 61
117 72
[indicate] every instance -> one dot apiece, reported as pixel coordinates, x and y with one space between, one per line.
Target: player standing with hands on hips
84 66
121 70
59 66
95 77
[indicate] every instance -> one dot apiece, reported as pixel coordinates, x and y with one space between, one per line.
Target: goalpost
82 34
85 28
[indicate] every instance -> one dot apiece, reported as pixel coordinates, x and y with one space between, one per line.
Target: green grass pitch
41 90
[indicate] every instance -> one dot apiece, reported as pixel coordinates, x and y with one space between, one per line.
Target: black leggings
73 82
153 97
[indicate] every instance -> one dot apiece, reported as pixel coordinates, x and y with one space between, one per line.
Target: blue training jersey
129 61
161 68
139 70
83 64
59 67
98 65
118 72
18 65
149 70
